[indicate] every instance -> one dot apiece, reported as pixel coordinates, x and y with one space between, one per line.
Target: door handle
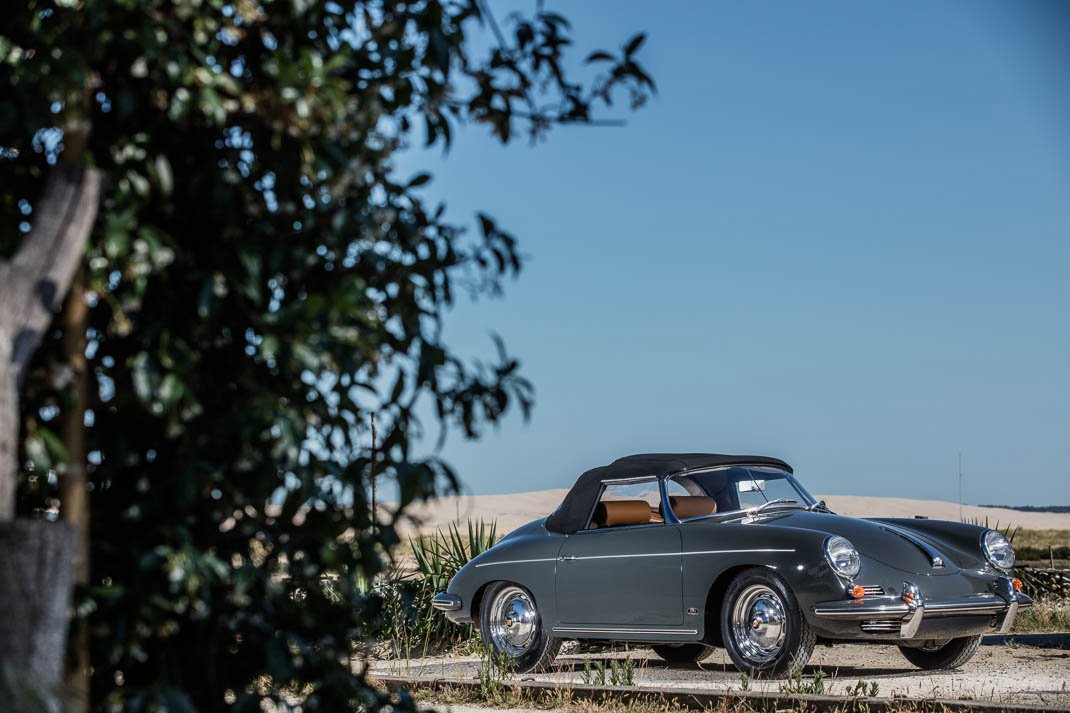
566 558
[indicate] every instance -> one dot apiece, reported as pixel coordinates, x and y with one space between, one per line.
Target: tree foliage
261 281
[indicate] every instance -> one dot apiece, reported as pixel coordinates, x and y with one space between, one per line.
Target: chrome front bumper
910 608
444 601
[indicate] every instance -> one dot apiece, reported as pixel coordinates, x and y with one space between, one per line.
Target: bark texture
36 556
32 285
73 491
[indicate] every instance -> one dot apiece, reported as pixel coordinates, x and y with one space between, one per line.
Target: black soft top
571 515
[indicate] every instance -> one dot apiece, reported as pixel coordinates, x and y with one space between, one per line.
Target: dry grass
565 700
1041 539
1046 615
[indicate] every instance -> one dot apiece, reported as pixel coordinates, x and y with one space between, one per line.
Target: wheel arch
477 601
715 598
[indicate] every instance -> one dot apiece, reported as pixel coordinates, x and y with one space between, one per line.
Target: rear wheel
951 654
512 629
764 631
683 653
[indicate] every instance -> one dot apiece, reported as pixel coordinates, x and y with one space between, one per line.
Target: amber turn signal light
1017 584
908 598
858 591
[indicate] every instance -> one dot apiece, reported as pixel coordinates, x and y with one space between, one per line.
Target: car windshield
737 490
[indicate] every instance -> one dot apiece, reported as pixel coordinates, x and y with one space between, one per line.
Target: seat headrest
685 506
613 513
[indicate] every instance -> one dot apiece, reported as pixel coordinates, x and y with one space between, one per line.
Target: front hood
893 546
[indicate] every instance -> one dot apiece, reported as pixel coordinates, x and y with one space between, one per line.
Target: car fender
715 553
527 556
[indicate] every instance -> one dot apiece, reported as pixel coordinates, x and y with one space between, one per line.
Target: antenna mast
375 494
960 486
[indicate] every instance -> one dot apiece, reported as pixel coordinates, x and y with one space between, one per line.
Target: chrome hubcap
513 621
759 623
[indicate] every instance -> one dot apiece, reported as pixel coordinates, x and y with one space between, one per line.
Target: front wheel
765 633
512 629
683 653
953 654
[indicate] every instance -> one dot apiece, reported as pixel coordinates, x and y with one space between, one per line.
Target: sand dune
513 510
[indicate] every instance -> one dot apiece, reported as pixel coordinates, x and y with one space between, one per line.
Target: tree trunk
35 555
35 558
73 493
9 426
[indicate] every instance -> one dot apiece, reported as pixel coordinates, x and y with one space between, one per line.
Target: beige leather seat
615 513
687 506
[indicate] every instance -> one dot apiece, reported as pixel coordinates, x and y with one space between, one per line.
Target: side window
673 488
624 504
685 505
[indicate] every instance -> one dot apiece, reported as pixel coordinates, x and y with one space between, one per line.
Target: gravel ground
1017 674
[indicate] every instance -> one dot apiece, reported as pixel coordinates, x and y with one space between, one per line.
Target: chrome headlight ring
997 550
842 557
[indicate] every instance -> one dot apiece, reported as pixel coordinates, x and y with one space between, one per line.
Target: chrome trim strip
729 552
541 559
865 611
666 507
956 608
614 528
594 630
570 558
633 479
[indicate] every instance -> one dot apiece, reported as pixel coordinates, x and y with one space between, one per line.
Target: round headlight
998 550
842 556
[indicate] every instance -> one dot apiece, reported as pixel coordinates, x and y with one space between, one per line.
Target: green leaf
54 447
634 44
165 178
37 453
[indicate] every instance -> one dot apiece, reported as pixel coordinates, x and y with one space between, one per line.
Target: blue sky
840 235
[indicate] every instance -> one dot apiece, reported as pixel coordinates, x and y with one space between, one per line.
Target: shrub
410 624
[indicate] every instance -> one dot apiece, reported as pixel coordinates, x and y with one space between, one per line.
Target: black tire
953 654
683 653
512 629
781 643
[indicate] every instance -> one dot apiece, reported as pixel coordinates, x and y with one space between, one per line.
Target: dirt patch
997 673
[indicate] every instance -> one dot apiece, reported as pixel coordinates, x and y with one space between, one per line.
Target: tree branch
33 283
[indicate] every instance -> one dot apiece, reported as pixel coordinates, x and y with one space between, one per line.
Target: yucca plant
411 624
439 556
1009 531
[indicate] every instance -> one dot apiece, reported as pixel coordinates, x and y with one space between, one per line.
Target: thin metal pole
960 486
375 494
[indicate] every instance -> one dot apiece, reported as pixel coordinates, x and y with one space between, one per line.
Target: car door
621 575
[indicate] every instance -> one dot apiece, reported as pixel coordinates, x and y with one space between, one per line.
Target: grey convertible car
686 552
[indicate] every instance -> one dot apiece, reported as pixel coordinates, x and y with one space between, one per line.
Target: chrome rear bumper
910 608
443 601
